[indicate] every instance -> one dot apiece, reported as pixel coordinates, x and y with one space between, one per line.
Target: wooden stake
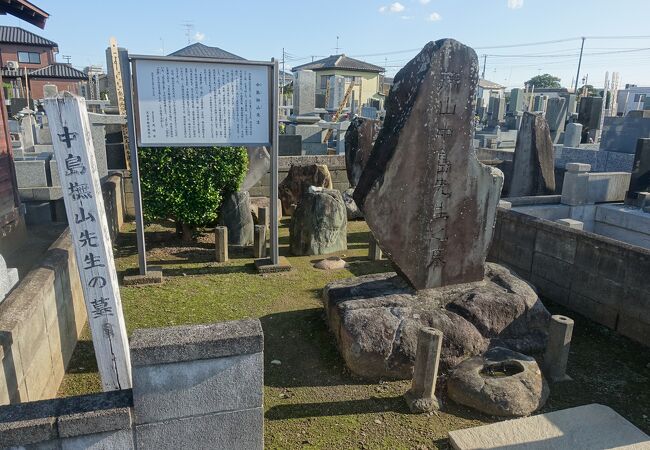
84 206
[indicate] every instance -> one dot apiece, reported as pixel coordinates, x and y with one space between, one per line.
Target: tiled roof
58 70
16 35
199 50
339 62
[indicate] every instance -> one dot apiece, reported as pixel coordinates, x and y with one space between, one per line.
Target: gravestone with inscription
431 206
533 171
428 200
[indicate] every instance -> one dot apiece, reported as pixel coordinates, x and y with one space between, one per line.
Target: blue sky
382 32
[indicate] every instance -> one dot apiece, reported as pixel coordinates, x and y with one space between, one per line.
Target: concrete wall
335 164
598 277
197 386
41 319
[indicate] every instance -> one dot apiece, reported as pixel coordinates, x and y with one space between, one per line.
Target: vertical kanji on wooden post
84 205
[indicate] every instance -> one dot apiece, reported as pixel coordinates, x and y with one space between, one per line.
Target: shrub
187 185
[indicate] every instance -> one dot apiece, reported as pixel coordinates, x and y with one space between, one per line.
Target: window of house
323 81
29 57
639 98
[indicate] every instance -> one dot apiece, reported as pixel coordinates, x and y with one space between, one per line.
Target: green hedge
188 184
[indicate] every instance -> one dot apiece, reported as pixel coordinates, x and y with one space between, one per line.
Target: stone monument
431 206
359 140
298 180
533 171
638 193
556 111
423 190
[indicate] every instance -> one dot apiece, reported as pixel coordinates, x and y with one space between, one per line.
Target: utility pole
582 47
282 81
484 64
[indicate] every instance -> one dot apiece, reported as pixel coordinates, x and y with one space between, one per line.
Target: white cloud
198 36
406 17
382 9
397 7
434 17
425 2
515 4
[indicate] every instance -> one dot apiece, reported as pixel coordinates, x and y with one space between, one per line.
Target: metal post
275 254
484 64
582 47
135 166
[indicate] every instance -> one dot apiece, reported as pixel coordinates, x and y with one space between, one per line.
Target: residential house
28 56
368 88
632 98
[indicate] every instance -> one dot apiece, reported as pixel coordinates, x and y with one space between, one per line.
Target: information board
183 103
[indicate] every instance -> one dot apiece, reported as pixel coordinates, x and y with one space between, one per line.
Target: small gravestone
337 91
359 140
516 100
319 223
533 170
304 98
572 135
298 180
235 214
640 179
556 110
428 200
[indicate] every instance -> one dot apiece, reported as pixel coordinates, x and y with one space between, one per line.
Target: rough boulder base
236 215
376 318
533 171
297 182
353 211
319 224
359 139
500 383
426 197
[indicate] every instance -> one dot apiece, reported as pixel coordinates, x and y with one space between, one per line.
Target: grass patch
311 399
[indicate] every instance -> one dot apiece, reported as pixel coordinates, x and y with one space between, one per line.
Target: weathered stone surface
331 263
500 383
533 164
428 200
359 140
376 318
319 223
259 162
351 207
298 180
236 215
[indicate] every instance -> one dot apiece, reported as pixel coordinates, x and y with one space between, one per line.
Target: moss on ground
311 400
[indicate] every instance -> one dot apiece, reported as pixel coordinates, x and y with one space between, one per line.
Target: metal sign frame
130 96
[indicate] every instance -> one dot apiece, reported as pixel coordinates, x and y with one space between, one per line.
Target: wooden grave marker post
84 205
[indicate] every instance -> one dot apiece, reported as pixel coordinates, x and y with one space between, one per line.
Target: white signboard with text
185 103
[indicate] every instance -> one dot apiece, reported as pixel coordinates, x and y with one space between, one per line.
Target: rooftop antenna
337 45
67 58
189 29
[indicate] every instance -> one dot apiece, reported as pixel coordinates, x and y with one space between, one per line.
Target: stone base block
376 318
264 265
154 275
420 404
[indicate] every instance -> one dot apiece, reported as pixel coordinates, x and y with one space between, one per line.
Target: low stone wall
195 386
601 278
42 318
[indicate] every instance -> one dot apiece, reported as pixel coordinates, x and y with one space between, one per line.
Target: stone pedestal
376 318
556 356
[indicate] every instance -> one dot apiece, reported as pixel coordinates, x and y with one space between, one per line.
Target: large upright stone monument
431 206
533 170
428 200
